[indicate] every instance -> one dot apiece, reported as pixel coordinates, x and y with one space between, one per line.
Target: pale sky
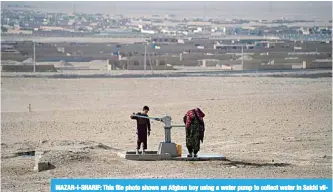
230 9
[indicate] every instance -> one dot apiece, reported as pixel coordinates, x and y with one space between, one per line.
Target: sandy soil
266 127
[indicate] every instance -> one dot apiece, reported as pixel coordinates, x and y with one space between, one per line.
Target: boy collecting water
143 129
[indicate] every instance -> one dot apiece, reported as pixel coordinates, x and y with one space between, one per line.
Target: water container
179 150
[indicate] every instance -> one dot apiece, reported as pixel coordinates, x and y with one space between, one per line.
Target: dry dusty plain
266 127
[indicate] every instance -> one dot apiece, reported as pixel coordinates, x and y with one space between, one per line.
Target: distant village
26 22
169 42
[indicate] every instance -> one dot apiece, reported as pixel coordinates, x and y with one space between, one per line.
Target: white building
147 31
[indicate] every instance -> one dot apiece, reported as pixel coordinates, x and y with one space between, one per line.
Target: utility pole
34 56
145 62
150 63
242 56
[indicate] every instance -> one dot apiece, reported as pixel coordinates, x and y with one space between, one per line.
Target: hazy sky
225 9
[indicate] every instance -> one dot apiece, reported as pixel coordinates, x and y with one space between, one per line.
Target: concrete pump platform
154 156
167 150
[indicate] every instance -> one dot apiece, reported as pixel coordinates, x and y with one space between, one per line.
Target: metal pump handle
167 125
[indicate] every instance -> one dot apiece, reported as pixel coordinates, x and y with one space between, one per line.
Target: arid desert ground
266 127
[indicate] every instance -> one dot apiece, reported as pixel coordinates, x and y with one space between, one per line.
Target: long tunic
143 126
195 129
193 137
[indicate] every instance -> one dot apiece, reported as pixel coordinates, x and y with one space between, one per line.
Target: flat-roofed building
209 62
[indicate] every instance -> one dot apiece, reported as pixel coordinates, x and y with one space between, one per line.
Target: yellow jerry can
179 150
